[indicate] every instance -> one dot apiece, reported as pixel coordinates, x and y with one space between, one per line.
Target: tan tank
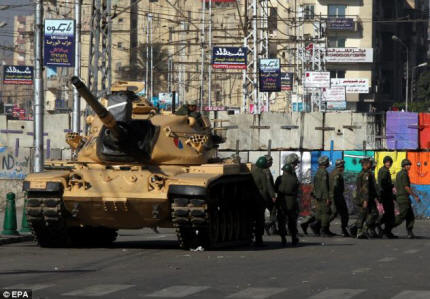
137 168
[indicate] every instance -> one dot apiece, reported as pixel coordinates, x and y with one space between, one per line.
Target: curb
10 240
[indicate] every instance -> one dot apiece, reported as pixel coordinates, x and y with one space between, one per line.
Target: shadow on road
44 272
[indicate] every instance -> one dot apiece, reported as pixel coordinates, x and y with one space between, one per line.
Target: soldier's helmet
340 163
192 102
323 161
261 162
365 160
292 159
388 159
406 162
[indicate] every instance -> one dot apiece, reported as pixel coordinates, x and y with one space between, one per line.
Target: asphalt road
142 264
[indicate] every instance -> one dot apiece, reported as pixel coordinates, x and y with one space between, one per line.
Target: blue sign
18 74
59 43
270 75
229 58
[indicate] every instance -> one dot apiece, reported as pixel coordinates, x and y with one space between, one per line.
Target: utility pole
202 42
76 117
38 88
147 58
210 53
181 77
152 57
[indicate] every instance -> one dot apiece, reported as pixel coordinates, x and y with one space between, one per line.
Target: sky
6 33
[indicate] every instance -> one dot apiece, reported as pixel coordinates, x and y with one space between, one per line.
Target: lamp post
414 69
396 39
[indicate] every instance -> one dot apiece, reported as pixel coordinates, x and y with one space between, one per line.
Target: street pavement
143 264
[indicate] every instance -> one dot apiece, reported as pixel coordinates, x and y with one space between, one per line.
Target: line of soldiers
329 200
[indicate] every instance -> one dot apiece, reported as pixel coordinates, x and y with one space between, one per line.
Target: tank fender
187 191
42 186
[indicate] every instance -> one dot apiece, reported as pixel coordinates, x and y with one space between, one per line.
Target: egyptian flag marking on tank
178 143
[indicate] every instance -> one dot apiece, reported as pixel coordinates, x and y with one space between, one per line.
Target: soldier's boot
316 227
353 230
411 235
283 241
372 233
362 234
326 233
345 233
304 227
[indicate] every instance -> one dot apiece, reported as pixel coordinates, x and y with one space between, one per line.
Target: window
273 19
337 10
336 42
120 20
337 74
119 45
309 11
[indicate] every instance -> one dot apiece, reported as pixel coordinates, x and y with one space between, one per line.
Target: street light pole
76 122
414 69
395 38
38 88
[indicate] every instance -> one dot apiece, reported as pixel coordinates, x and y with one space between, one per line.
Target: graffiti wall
14 164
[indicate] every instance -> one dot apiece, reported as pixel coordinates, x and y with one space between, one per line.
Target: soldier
387 197
337 187
403 188
287 188
264 182
366 194
322 196
190 109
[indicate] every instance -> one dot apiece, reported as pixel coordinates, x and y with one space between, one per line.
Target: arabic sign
340 24
214 108
229 58
59 43
18 74
336 105
270 75
334 94
352 85
165 100
349 55
317 79
287 80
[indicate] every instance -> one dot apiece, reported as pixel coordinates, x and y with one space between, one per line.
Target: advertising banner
336 105
214 108
352 85
270 75
317 79
229 58
341 24
18 74
349 55
59 43
287 81
334 94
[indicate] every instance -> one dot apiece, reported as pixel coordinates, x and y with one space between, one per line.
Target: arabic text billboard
317 79
270 75
352 85
59 43
349 55
229 57
18 74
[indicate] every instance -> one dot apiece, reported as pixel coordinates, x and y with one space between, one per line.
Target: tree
423 86
137 72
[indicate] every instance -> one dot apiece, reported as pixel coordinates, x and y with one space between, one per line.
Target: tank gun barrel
105 116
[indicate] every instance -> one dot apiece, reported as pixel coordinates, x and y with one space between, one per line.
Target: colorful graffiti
13 166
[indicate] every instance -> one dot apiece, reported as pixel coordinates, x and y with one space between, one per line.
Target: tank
137 168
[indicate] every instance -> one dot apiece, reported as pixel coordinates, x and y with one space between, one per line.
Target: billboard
270 75
229 58
334 94
336 105
352 85
18 74
341 24
59 43
349 55
317 79
287 81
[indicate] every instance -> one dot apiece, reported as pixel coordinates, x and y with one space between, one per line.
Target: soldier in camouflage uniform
404 191
337 188
190 109
366 194
287 187
264 182
387 197
322 196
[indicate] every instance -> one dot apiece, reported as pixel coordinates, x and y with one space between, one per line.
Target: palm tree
137 72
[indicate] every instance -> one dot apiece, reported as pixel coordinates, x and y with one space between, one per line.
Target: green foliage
417 106
137 72
423 86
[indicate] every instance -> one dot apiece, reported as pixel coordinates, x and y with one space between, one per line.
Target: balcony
344 24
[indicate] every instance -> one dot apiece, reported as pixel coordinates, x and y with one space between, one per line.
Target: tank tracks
47 215
223 220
